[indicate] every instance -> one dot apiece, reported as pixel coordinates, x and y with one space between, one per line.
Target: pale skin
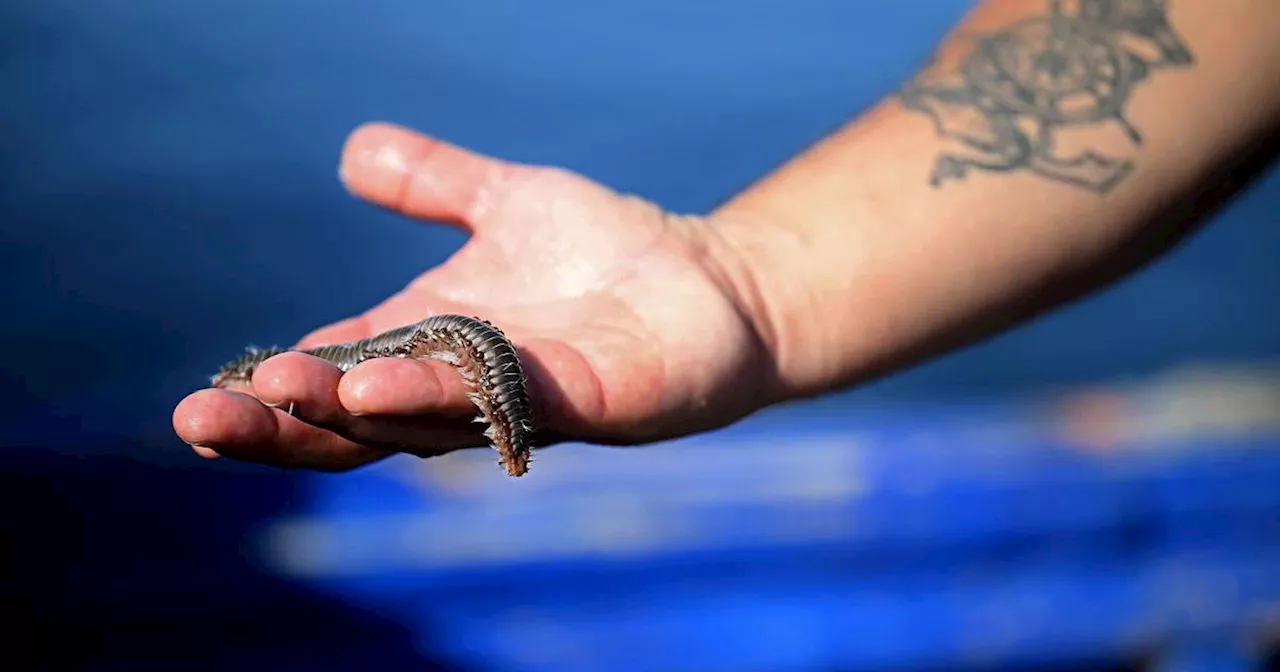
637 324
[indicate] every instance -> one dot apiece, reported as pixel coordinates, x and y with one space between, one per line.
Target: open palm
633 324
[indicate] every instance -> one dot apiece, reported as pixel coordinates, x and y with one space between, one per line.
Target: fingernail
206 452
288 405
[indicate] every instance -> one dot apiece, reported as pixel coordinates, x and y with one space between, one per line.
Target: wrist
841 246
796 237
760 262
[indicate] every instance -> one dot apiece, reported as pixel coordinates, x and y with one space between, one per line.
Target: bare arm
1048 148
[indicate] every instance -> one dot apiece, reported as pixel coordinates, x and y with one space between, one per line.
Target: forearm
965 204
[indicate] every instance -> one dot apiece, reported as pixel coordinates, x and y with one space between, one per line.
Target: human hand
633 324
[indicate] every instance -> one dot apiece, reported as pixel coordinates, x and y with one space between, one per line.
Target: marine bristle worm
479 351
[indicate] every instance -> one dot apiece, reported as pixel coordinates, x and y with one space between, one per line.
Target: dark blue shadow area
168 195
116 564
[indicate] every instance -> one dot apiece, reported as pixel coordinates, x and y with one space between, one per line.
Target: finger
419 176
404 387
307 388
233 424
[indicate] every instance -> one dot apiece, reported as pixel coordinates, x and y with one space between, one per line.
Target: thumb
419 176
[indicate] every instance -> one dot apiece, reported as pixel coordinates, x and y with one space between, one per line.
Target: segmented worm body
481 353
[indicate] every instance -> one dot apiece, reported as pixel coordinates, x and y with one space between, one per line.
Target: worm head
240 370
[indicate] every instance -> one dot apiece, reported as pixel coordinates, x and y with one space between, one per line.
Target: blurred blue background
1069 496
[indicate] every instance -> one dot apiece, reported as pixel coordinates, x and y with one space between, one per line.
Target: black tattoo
1077 65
